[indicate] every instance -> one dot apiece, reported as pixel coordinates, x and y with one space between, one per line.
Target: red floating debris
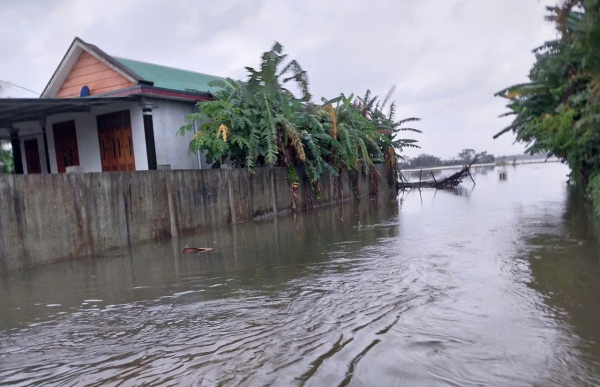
193 250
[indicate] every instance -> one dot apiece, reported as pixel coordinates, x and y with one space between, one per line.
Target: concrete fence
46 218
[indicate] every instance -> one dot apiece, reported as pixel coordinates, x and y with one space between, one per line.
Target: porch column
16 151
43 125
149 134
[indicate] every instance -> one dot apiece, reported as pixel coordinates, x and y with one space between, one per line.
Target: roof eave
13 110
159 92
177 94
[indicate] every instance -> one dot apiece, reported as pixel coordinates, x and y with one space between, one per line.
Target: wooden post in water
351 188
473 180
433 178
403 177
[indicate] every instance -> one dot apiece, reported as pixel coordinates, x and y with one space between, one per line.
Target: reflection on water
495 284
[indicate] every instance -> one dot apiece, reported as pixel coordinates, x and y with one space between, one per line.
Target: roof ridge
167 67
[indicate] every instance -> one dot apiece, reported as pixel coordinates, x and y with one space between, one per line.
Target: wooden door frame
115 127
74 155
37 149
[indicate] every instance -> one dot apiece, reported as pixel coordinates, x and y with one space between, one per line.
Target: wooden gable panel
89 71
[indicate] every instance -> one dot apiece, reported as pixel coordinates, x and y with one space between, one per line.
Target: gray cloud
446 58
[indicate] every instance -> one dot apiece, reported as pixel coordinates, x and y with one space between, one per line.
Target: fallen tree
449 182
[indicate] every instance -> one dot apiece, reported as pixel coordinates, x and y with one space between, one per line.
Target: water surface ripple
491 286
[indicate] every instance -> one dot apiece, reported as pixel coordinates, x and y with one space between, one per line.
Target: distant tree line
464 157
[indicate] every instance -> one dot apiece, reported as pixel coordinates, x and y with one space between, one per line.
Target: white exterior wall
171 149
88 144
139 138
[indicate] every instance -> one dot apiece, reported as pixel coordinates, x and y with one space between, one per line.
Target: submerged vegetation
558 111
261 122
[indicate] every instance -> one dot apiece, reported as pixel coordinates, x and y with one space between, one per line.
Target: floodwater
492 285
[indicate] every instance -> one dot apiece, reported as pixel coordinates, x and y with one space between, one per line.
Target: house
105 113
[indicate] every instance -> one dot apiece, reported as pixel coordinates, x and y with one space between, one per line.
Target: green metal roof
169 77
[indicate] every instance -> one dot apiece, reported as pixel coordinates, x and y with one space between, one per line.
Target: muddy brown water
497 285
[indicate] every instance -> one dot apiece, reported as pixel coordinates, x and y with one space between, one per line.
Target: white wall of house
172 149
139 138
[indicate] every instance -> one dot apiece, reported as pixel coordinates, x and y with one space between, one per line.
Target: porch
100 134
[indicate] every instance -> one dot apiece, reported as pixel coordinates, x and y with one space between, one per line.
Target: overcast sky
446 57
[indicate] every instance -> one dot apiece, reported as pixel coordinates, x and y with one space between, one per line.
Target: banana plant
260 122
